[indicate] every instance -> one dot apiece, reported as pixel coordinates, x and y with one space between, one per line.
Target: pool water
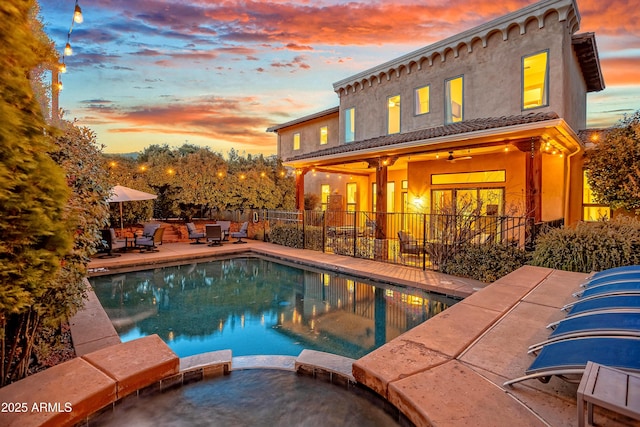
255 306
252 398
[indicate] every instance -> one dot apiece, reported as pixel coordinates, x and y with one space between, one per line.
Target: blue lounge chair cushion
617 287
621 277
617 352
602 322
615 270
605 303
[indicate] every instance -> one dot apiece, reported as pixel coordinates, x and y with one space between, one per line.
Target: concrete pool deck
447 371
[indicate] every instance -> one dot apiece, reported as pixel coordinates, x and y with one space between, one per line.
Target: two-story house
493 114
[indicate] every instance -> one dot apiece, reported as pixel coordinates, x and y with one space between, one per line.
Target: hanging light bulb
60 87
77 14
67 50
63 67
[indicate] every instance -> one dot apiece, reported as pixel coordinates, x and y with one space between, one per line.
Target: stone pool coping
81 390
446 372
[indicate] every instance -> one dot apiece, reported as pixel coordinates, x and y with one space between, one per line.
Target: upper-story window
350 124
296 141
422 100
393 114
324 135
453 100
535 77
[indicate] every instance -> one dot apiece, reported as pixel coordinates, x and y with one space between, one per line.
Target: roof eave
568 137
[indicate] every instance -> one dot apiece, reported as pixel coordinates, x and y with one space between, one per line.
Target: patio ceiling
474 137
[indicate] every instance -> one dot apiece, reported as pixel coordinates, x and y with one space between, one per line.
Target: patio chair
150 243
213 234
619 277
408 244
614 323
610 293
608 303
194 234
614 271
241 233
149 228
225 225
609 288
567 358
112 243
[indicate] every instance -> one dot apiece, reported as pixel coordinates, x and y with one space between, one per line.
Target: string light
68 51
77 14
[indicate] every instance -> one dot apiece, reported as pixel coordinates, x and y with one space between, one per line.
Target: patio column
300 173
381 164
533 177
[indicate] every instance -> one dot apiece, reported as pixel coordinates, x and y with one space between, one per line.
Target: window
324 135
422 100
391 196
535 80
374 196
591 210
352 191
349 124
296 141
469 177
453 100
466 200
325 192
393 114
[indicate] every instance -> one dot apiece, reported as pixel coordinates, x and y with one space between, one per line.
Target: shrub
590 246
364 247
486 262
292 236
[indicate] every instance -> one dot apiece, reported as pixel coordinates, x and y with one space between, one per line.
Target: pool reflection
257 306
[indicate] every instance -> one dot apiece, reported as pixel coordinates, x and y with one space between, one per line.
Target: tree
35 236
613 171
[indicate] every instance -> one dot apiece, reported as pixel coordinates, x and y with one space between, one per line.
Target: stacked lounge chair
602 326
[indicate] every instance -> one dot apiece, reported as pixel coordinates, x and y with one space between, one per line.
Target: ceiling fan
453 159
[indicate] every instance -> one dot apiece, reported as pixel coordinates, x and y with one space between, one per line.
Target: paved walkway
448 371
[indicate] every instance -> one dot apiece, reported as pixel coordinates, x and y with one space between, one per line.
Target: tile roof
430 133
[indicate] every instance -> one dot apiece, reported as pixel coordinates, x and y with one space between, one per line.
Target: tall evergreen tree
34 234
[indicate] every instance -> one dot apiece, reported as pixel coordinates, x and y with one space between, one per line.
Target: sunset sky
218 73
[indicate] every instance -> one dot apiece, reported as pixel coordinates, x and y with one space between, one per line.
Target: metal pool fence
421 240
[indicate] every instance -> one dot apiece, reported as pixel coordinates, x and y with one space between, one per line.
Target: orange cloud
226 119
621 71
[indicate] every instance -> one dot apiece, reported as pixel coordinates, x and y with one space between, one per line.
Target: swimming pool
256 306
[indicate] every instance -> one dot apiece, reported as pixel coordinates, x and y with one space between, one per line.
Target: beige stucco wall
492 82
309 136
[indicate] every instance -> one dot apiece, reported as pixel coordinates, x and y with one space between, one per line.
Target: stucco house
496 114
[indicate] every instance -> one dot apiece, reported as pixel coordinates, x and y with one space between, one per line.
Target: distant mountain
133 156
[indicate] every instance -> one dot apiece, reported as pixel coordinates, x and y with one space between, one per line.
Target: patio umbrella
121 194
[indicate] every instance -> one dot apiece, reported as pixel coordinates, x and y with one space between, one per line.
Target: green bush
292 236
590 246
364 247
486 262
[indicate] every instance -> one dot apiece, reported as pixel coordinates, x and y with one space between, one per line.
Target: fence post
304 232
355 234
424 242
324 233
